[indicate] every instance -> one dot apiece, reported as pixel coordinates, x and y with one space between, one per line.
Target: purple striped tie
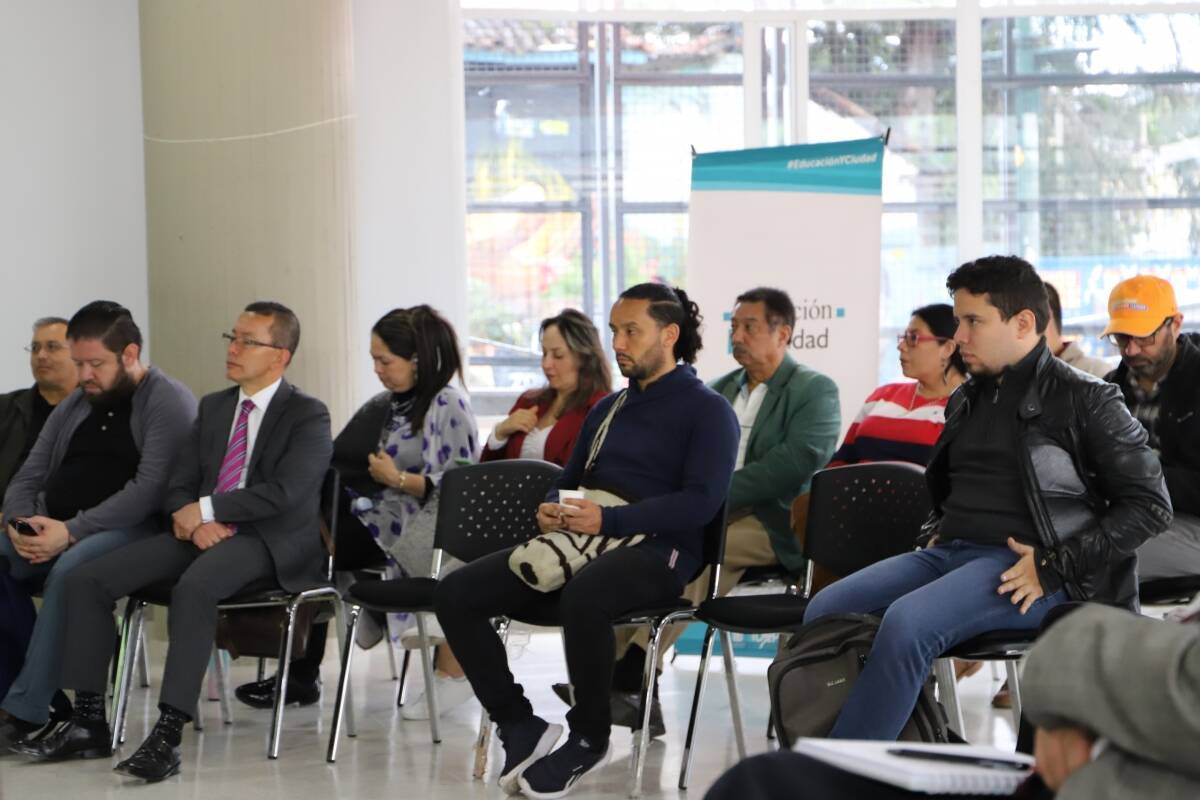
235 455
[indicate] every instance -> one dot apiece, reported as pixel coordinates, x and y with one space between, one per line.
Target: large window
578 147
1073 141
1091 134
864 79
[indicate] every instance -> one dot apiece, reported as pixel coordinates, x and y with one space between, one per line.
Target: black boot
84 735
158 756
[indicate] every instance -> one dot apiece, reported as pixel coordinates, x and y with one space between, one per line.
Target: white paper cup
569 494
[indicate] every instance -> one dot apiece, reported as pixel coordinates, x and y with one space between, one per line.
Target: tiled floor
393 758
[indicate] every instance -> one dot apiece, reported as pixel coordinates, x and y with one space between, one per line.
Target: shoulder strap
602 431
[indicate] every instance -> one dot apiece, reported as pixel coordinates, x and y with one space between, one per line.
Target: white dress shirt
746 406
261 399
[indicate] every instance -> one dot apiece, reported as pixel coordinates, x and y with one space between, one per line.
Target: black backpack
810 678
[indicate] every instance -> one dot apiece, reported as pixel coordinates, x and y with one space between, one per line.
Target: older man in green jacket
790 420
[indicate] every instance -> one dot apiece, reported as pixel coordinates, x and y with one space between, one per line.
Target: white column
410 166
969 94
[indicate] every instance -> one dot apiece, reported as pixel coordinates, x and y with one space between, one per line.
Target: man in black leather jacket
1042 487
1159 376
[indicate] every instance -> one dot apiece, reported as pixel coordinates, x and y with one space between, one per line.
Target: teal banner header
854 167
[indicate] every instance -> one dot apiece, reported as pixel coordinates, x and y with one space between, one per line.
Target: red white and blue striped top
895 424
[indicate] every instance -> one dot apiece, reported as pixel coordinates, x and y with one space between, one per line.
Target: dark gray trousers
201 578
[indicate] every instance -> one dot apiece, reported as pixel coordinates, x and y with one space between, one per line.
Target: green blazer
794 435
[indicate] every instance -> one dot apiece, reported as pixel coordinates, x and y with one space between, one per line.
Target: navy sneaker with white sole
556 774
524 743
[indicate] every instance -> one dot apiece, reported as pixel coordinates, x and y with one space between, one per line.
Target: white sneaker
451 693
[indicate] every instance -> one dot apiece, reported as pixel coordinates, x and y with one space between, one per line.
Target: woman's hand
523 420
384 470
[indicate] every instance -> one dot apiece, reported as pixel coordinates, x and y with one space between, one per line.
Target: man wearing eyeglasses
24 412
1159 375
243 497
93 482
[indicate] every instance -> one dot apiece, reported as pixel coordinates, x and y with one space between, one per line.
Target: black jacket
1094 488
1178 423
16 415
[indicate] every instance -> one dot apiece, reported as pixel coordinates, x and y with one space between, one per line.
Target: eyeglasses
1122 340
912 338
49 347
243 343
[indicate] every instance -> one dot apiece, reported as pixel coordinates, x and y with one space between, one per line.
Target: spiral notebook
872 760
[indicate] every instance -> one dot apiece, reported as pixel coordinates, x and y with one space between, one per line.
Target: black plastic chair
267 594
1169 591
858 515
482 508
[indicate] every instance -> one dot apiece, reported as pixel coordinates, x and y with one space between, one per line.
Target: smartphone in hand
23 527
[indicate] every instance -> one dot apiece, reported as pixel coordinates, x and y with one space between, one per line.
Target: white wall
72 209
410 230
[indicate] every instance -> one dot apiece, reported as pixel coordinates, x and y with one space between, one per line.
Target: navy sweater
670 451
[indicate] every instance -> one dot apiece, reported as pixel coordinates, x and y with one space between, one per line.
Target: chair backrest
331 496
483 508
863 513
714 546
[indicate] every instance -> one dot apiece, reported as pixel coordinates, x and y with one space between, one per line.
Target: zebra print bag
548 561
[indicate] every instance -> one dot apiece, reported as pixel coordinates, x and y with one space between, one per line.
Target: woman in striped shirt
901 421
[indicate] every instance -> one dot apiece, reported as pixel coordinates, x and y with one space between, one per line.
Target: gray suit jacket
281 499
1132 680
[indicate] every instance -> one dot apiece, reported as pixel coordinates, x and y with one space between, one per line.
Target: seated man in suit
244 497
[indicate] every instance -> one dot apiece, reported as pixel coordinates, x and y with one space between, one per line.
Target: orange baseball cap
1138 306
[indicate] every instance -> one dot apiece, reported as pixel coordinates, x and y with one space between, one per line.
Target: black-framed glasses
242 342
1122 340
912 338
49 347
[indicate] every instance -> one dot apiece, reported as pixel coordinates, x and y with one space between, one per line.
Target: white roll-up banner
805 219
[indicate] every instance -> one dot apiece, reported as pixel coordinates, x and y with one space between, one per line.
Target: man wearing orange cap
1160 378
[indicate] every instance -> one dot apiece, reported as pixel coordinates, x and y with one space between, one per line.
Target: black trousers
615 584
201 578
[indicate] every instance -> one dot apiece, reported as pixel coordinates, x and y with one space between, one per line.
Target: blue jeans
29 696
930 600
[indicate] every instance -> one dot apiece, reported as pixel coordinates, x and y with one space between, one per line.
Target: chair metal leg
943 673
685 768
341 613
1014 691
735 701
391 647
130 628
262 669
220 669
349 632
403 678
142 657
431 700
642 737
285 663
484 739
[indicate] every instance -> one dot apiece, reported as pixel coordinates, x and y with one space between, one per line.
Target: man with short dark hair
25 411
1068 349
1160 378
243 498
789 417
93 482
1042 488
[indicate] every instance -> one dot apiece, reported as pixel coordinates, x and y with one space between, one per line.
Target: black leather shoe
71 739
261 694
14 731
154 761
